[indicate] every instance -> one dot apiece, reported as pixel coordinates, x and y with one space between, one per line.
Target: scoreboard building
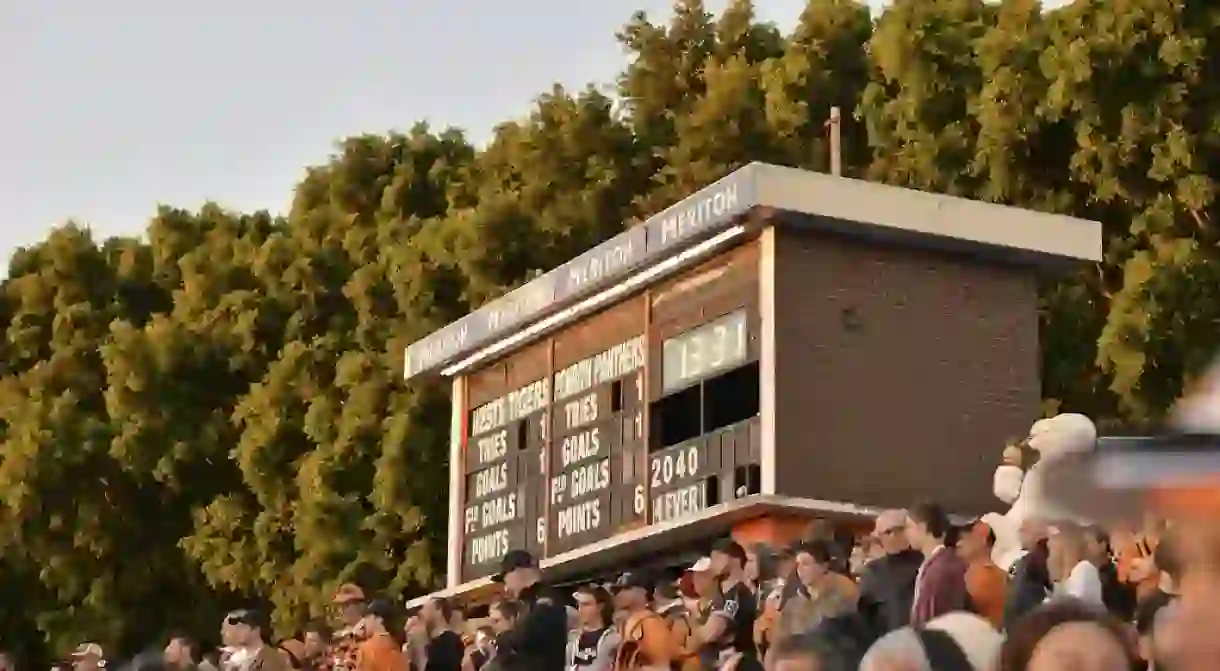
781 345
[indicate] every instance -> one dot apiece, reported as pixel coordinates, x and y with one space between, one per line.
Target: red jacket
940 587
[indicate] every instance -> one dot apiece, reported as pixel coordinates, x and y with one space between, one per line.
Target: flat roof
850 206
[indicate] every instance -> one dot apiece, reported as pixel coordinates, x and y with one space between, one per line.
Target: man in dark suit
538 641
887 584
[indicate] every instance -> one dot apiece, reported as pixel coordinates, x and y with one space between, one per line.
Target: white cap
704 564
89 650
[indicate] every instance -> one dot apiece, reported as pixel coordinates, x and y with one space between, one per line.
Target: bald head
1079 645
889 531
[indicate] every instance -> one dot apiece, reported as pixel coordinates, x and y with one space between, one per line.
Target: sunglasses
239 617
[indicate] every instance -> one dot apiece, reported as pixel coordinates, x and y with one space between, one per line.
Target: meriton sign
708 211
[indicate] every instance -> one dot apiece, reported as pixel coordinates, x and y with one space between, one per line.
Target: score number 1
704 350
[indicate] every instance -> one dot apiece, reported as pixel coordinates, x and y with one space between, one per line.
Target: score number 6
639 501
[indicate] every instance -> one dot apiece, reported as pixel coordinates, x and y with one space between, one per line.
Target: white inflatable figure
1019 484
1199 410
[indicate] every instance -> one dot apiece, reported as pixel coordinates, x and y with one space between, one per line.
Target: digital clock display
713 347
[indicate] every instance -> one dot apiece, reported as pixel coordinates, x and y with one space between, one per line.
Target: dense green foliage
215 412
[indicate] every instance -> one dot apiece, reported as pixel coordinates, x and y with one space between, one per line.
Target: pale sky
109 108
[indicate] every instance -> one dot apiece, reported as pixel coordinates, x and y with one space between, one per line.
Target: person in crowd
181 652
350 601
293 652
671 605
503 617
822 592
1065 634
821 529
704 588
1169 567
887 583
862 552
88 657
646 641
785 562
1147 613
381 649
1031 580
7 661
593 644
940 586
439 647
766 625
760 565
730 628
986 583
1136 556
835 644
317 637
1072 574
1118 596
249 630
539 639
480 650
958 641
667 600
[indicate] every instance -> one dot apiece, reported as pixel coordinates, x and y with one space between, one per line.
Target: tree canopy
214 412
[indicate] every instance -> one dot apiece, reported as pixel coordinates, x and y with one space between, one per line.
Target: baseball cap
382 608
634 580
978 528
515 559
250 618
702 565
89 650
348 593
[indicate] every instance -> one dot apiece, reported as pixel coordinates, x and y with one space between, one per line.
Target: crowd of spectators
916 593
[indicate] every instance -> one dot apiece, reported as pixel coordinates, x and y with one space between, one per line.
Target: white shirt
1084 583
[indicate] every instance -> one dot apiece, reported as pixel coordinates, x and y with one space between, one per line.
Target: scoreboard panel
598 425
572 440
704 439
504 459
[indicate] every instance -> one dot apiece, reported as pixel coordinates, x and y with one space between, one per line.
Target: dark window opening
523 432
675 419
747 480
713 491
731 398
616 396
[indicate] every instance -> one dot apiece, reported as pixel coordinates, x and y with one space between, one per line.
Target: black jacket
887 588
1118 596
539 640
1031 583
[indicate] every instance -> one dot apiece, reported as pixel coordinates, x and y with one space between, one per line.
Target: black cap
515 559
634 579
382 608
251 618
730 547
